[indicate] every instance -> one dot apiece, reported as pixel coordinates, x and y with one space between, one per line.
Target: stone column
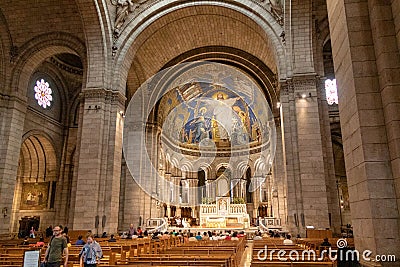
366 58
306 188
192 192
168 211
12 110
279 177
310 149
294 200
99 158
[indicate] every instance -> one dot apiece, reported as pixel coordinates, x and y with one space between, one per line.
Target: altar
223 214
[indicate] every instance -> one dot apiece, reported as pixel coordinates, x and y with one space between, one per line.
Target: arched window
331 92
249 195
43 93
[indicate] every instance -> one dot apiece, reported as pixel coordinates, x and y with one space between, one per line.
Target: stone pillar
366 58
306 188
168 211
99 169
192 192
279 177
310 149
178 211
12 110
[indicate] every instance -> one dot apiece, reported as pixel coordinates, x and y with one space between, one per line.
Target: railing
267 223
162 228
208 208
237 208
262 226
233 209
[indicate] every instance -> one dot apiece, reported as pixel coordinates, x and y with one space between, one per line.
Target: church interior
258 117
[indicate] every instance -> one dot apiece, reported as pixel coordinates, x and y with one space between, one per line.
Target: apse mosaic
208 111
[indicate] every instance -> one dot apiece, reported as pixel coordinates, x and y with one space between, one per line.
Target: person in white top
287 241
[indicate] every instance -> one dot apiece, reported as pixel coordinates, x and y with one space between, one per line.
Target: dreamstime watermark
340 254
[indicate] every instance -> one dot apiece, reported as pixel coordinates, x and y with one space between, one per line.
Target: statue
124 8
277 10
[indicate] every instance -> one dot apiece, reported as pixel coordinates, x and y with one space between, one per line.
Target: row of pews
143 252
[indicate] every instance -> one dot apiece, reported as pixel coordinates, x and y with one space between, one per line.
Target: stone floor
247 255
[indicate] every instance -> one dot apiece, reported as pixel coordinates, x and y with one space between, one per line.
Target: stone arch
261 24
38 158
207 170
5 47
36 50
98 33
242 167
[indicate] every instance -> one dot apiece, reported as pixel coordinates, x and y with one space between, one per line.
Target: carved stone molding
124 9
103 94
9 98
66 67
275 7
305 83
286 87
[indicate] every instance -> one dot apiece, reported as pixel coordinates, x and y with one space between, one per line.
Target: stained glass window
43 93
331 92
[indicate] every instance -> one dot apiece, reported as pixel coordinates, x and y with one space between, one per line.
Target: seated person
257 236
155 236
235 236
139 231
104 235
134 235
192 237
325 243
26 241
198 236
287 241
112 239
205 236
80 242
124 235
241 234
40 243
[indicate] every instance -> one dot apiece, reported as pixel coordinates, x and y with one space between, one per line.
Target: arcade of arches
66 80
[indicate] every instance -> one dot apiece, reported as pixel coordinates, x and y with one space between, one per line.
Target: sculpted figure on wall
124 8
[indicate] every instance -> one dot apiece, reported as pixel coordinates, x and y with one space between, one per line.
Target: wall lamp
304 95
95 107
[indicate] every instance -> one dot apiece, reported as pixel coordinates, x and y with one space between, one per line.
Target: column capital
103 93
300 83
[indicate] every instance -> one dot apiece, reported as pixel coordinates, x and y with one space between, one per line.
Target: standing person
32 232
56 248
90 253
131 230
